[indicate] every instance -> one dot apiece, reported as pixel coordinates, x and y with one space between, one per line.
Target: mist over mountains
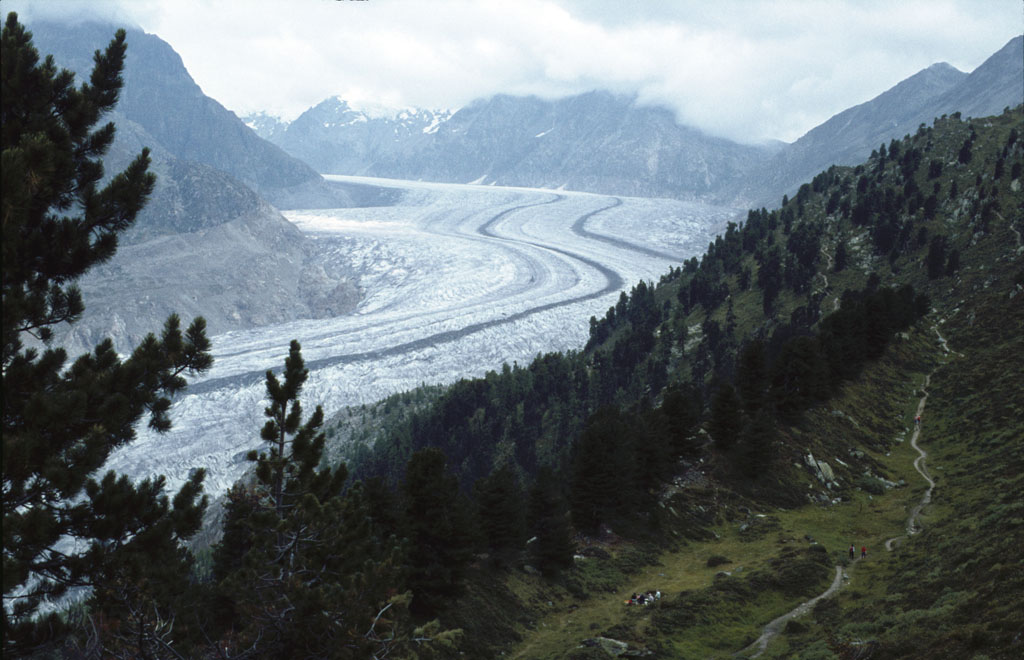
597 142
212 243
600 142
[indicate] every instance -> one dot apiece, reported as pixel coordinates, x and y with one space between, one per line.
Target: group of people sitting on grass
644 598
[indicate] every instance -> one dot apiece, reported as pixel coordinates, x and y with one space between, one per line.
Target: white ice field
456 281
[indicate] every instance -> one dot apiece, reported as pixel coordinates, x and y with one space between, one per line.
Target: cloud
746 70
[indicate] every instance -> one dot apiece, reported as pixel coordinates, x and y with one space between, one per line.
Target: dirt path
835 300
776 625
912 526
944 344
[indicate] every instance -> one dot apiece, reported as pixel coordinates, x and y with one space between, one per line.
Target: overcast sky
746 69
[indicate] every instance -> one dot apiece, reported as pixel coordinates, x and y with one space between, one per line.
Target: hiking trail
835 299
775 626
912 526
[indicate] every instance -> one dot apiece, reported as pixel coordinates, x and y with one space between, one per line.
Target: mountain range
600 142
226 252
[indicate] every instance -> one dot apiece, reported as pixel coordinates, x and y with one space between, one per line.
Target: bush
757 528
871 485
718 560
819 650
794 627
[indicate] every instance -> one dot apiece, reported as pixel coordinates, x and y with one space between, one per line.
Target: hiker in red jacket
863 551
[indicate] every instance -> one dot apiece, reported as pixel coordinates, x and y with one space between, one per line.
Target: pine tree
936 259
842 257
682 408
754 452
438 529
63 528
500 510
304 570
726 417
302 563
752 376
552 548
799 377
603 471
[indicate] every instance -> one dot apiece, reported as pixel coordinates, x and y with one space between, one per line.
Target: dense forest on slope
719 373
778 313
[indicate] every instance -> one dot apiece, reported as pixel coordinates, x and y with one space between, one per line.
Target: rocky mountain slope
600 142
597 142
849 137
761 400
208 243
336 138
160 96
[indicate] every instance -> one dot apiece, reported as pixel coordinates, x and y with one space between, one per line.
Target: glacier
456 279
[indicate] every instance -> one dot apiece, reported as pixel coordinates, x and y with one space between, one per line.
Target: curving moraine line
533 265
580 229
613 282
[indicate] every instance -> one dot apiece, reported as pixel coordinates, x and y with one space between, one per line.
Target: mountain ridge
937 90
209 213
606 143
595 141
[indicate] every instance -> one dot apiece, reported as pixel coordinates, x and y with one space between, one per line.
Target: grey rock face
337 139
251 271
996 84
597 142
161 98
849 137
207 243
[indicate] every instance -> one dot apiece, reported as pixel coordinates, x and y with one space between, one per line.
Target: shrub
718 560
871 485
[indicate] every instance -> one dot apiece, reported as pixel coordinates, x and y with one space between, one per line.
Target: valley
455 279
573 398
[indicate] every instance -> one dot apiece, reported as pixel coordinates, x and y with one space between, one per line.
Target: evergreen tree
936 259
842 257
62 527
770 277
754 452
953 263
500 511
304 567
964 155
726 417
799 377
438 529
237 537
603 470
682 408
752 376
552 548
652 451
